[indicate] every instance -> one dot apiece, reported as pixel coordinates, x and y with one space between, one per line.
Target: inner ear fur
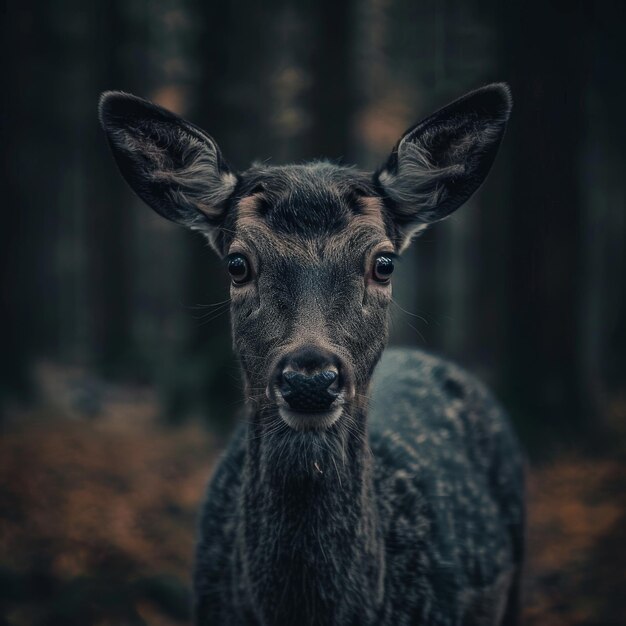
441 161
174 166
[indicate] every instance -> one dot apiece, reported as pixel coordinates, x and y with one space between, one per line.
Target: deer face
311 258
309 248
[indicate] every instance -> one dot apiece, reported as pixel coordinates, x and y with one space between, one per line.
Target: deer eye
239 269
383 268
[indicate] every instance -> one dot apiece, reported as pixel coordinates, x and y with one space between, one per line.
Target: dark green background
117 381
525 284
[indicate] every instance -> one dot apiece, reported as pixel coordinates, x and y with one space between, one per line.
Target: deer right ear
439 163
173 166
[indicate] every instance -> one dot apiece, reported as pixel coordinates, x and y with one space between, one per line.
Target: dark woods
524 285
114 323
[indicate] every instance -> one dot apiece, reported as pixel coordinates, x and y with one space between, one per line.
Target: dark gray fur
421 524
408 509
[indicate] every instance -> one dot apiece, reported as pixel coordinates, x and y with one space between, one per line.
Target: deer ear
172 165
439 163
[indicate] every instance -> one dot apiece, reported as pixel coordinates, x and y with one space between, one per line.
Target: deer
364 485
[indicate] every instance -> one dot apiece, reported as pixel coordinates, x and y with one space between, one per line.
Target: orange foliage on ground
576 571
84 500
97 526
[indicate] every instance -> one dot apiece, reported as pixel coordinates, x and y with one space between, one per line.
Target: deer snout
309 393
309 380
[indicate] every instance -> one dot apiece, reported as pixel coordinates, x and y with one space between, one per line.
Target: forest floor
97 525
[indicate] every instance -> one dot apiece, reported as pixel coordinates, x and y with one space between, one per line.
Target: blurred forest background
117 383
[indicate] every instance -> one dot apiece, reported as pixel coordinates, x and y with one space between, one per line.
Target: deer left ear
439 163
173 166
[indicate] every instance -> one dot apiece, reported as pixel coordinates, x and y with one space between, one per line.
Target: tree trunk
547 75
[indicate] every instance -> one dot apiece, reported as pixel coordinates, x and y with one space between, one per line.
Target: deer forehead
353 232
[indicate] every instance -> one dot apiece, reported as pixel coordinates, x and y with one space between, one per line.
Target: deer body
424 529
359 490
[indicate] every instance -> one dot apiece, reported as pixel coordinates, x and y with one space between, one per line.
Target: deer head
310 248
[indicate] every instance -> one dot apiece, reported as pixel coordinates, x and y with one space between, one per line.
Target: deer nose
309 382
309 393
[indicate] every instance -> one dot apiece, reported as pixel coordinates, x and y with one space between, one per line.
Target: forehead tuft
306 200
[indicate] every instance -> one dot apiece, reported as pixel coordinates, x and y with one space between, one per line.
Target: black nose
309 381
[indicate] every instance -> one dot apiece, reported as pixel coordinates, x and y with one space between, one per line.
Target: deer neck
309 526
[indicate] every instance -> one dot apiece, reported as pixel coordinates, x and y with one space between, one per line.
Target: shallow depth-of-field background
117 384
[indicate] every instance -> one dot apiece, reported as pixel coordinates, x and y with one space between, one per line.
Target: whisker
207 306
213 317
419 317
